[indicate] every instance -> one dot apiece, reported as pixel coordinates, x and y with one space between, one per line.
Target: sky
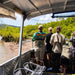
40 19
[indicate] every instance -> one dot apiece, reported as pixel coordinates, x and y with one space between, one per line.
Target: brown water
5 54
3 51
9 50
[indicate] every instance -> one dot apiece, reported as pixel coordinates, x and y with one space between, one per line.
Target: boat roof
33 8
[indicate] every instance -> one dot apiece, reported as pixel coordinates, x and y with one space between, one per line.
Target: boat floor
50 73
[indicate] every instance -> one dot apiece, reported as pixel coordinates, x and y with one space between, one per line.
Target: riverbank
11 50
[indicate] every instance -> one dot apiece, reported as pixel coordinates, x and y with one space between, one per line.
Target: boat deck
50 73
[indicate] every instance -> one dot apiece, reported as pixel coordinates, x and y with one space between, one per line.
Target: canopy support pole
20 40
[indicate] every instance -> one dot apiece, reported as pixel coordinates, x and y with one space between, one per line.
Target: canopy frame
20 39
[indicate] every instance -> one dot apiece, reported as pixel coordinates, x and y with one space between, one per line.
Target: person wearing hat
57 41
39 38
48 47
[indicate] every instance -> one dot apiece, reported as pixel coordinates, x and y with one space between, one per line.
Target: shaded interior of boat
10 66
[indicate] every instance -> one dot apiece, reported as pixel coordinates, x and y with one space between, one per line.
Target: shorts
39 53
64 60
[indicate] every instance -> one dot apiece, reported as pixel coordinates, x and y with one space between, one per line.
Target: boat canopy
33 8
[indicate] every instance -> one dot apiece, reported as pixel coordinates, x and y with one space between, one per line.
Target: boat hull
8 67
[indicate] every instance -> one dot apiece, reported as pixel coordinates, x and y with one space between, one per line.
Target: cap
40 26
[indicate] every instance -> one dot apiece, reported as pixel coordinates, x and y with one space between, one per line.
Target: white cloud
18 22
41 18
46 18
18 17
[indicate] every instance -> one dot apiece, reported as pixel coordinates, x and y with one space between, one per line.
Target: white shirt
57 40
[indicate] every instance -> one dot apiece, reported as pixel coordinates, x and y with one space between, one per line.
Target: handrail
26 41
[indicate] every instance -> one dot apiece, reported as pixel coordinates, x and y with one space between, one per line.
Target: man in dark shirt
48 46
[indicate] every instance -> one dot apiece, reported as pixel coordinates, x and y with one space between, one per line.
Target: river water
5 54
2 50
9 50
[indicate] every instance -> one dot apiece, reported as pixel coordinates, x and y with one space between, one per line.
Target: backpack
73 42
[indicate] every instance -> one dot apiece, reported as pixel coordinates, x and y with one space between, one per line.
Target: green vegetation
12 33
